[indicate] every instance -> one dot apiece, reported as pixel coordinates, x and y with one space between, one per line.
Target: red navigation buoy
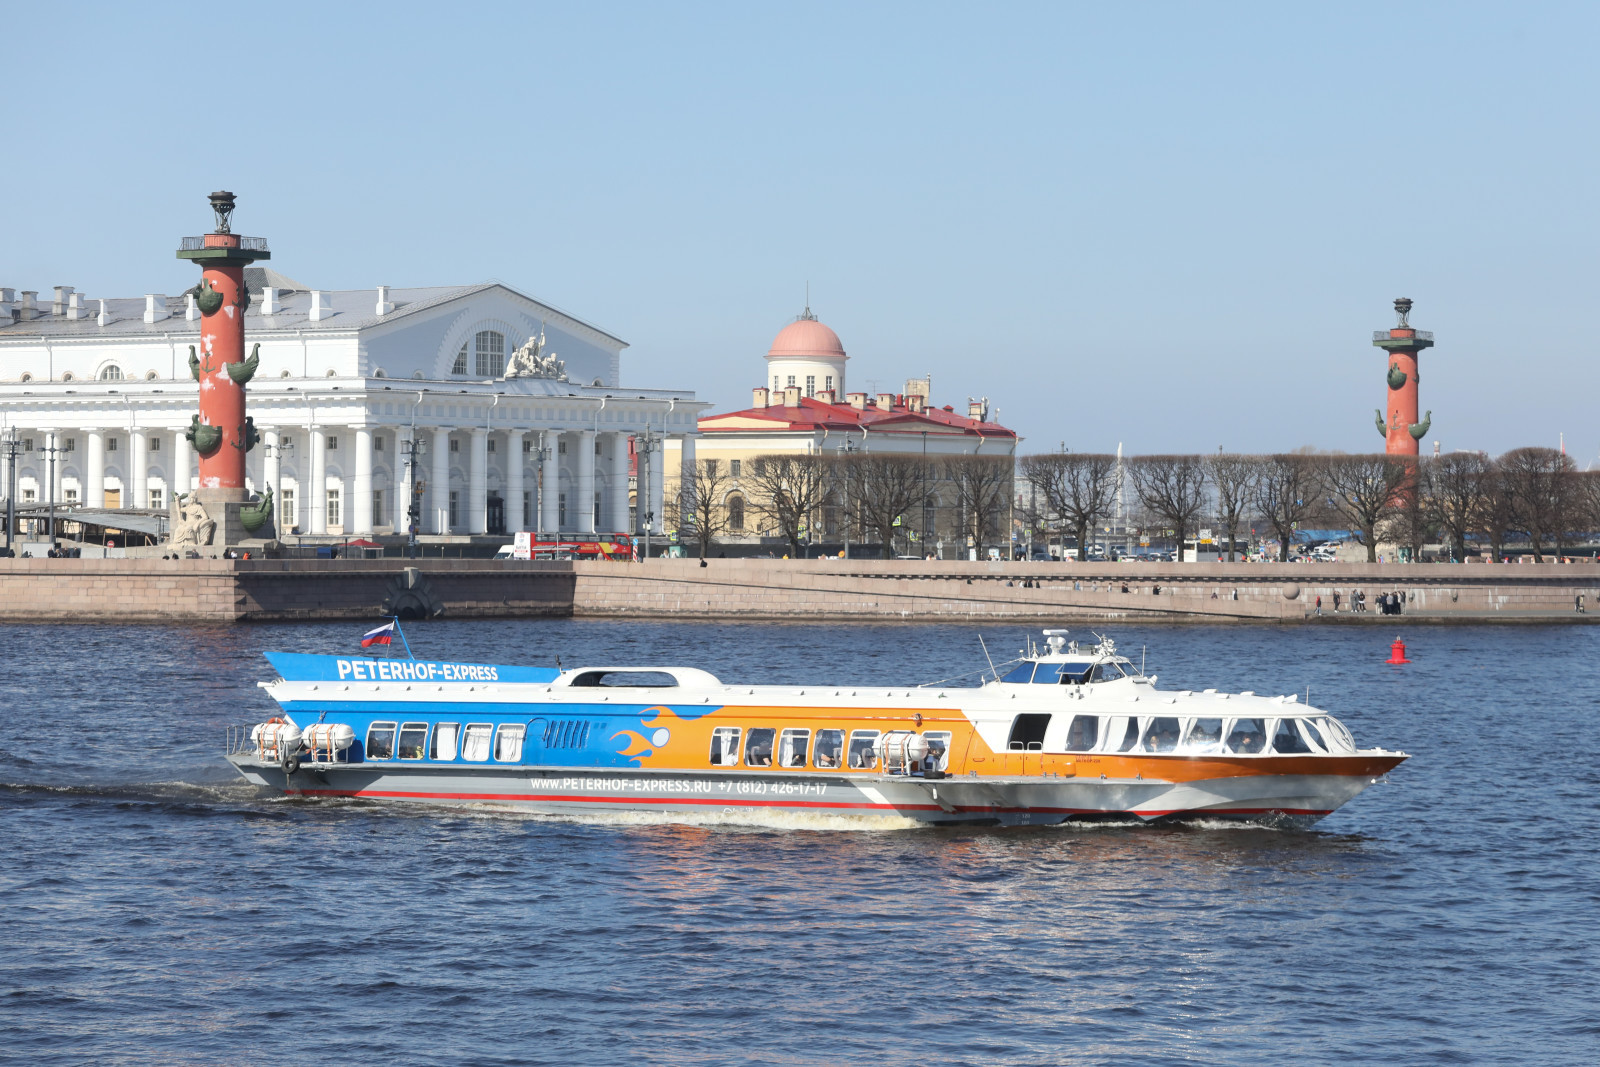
1397 652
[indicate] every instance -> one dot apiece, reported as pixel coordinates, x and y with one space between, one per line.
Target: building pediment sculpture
191 523
533 361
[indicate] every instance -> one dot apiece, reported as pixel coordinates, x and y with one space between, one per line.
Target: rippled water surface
154 911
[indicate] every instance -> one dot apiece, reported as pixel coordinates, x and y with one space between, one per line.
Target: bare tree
1079 487
702 508
1234 479
1365 491
982 488
1455 486
1173 489
1544 494
1498 515
788 488
1284 491
885 488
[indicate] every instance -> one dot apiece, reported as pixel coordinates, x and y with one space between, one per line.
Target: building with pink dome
805 407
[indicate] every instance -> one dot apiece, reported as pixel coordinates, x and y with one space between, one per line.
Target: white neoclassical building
362 398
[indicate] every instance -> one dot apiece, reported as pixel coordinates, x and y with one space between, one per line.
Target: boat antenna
988 657
1142 650
403 641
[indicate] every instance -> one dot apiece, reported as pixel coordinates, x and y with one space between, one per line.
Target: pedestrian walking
1319 605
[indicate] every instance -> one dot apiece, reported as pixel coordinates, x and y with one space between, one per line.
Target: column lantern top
222 246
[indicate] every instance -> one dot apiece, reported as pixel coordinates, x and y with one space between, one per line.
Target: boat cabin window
1161 735
1105 672
1286 740
862 756
1083 734
445 736
1204 736
1247 736
758 747
938 750
625 679
380 740
792 748
829 753
725 746
413 739
475 746
508 742
1020 673
1122 734
1334 731
1027 732
1314 735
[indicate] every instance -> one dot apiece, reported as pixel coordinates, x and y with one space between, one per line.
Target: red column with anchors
221 432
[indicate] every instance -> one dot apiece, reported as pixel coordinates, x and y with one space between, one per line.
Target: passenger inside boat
830 744
758 748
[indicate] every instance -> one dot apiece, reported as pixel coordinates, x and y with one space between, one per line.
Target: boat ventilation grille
567 733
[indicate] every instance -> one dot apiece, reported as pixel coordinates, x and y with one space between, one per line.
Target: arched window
67 376
490 347
150 375
460 365
736 513
113 373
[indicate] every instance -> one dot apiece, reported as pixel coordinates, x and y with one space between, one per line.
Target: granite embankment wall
228 590
913 589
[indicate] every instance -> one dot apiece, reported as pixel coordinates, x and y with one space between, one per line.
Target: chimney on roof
191 310
385 305
28 306
916 403
886 401
791 396
75 308
321 308
58 306
978 409
104 318
8 301
857 400
269 300
155 307
826 396
758 397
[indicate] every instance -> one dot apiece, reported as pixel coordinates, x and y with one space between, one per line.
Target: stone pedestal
222 508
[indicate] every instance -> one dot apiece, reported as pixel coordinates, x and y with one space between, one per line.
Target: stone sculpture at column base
222 519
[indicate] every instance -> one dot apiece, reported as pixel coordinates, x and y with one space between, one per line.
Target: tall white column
687 515
317 491
550 484
514 489
616 457
478 484
271 467
139 464
580 503
361 513
658 486
94 479
439 487
181 464
402 480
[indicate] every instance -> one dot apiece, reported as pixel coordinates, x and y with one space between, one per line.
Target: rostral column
221 432
1402 430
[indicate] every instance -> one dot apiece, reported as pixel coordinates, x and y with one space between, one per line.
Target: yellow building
804 408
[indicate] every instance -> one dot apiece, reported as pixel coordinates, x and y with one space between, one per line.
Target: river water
152 911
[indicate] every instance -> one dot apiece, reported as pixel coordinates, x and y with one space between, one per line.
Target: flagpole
402 634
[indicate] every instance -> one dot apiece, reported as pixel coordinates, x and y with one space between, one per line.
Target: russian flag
383 635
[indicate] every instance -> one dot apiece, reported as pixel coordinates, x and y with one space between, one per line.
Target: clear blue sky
1171 225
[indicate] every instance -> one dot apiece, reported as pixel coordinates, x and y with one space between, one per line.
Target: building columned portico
491 411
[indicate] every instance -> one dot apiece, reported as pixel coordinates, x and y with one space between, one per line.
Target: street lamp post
847 449
11 446
647 442
52 448
414 507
